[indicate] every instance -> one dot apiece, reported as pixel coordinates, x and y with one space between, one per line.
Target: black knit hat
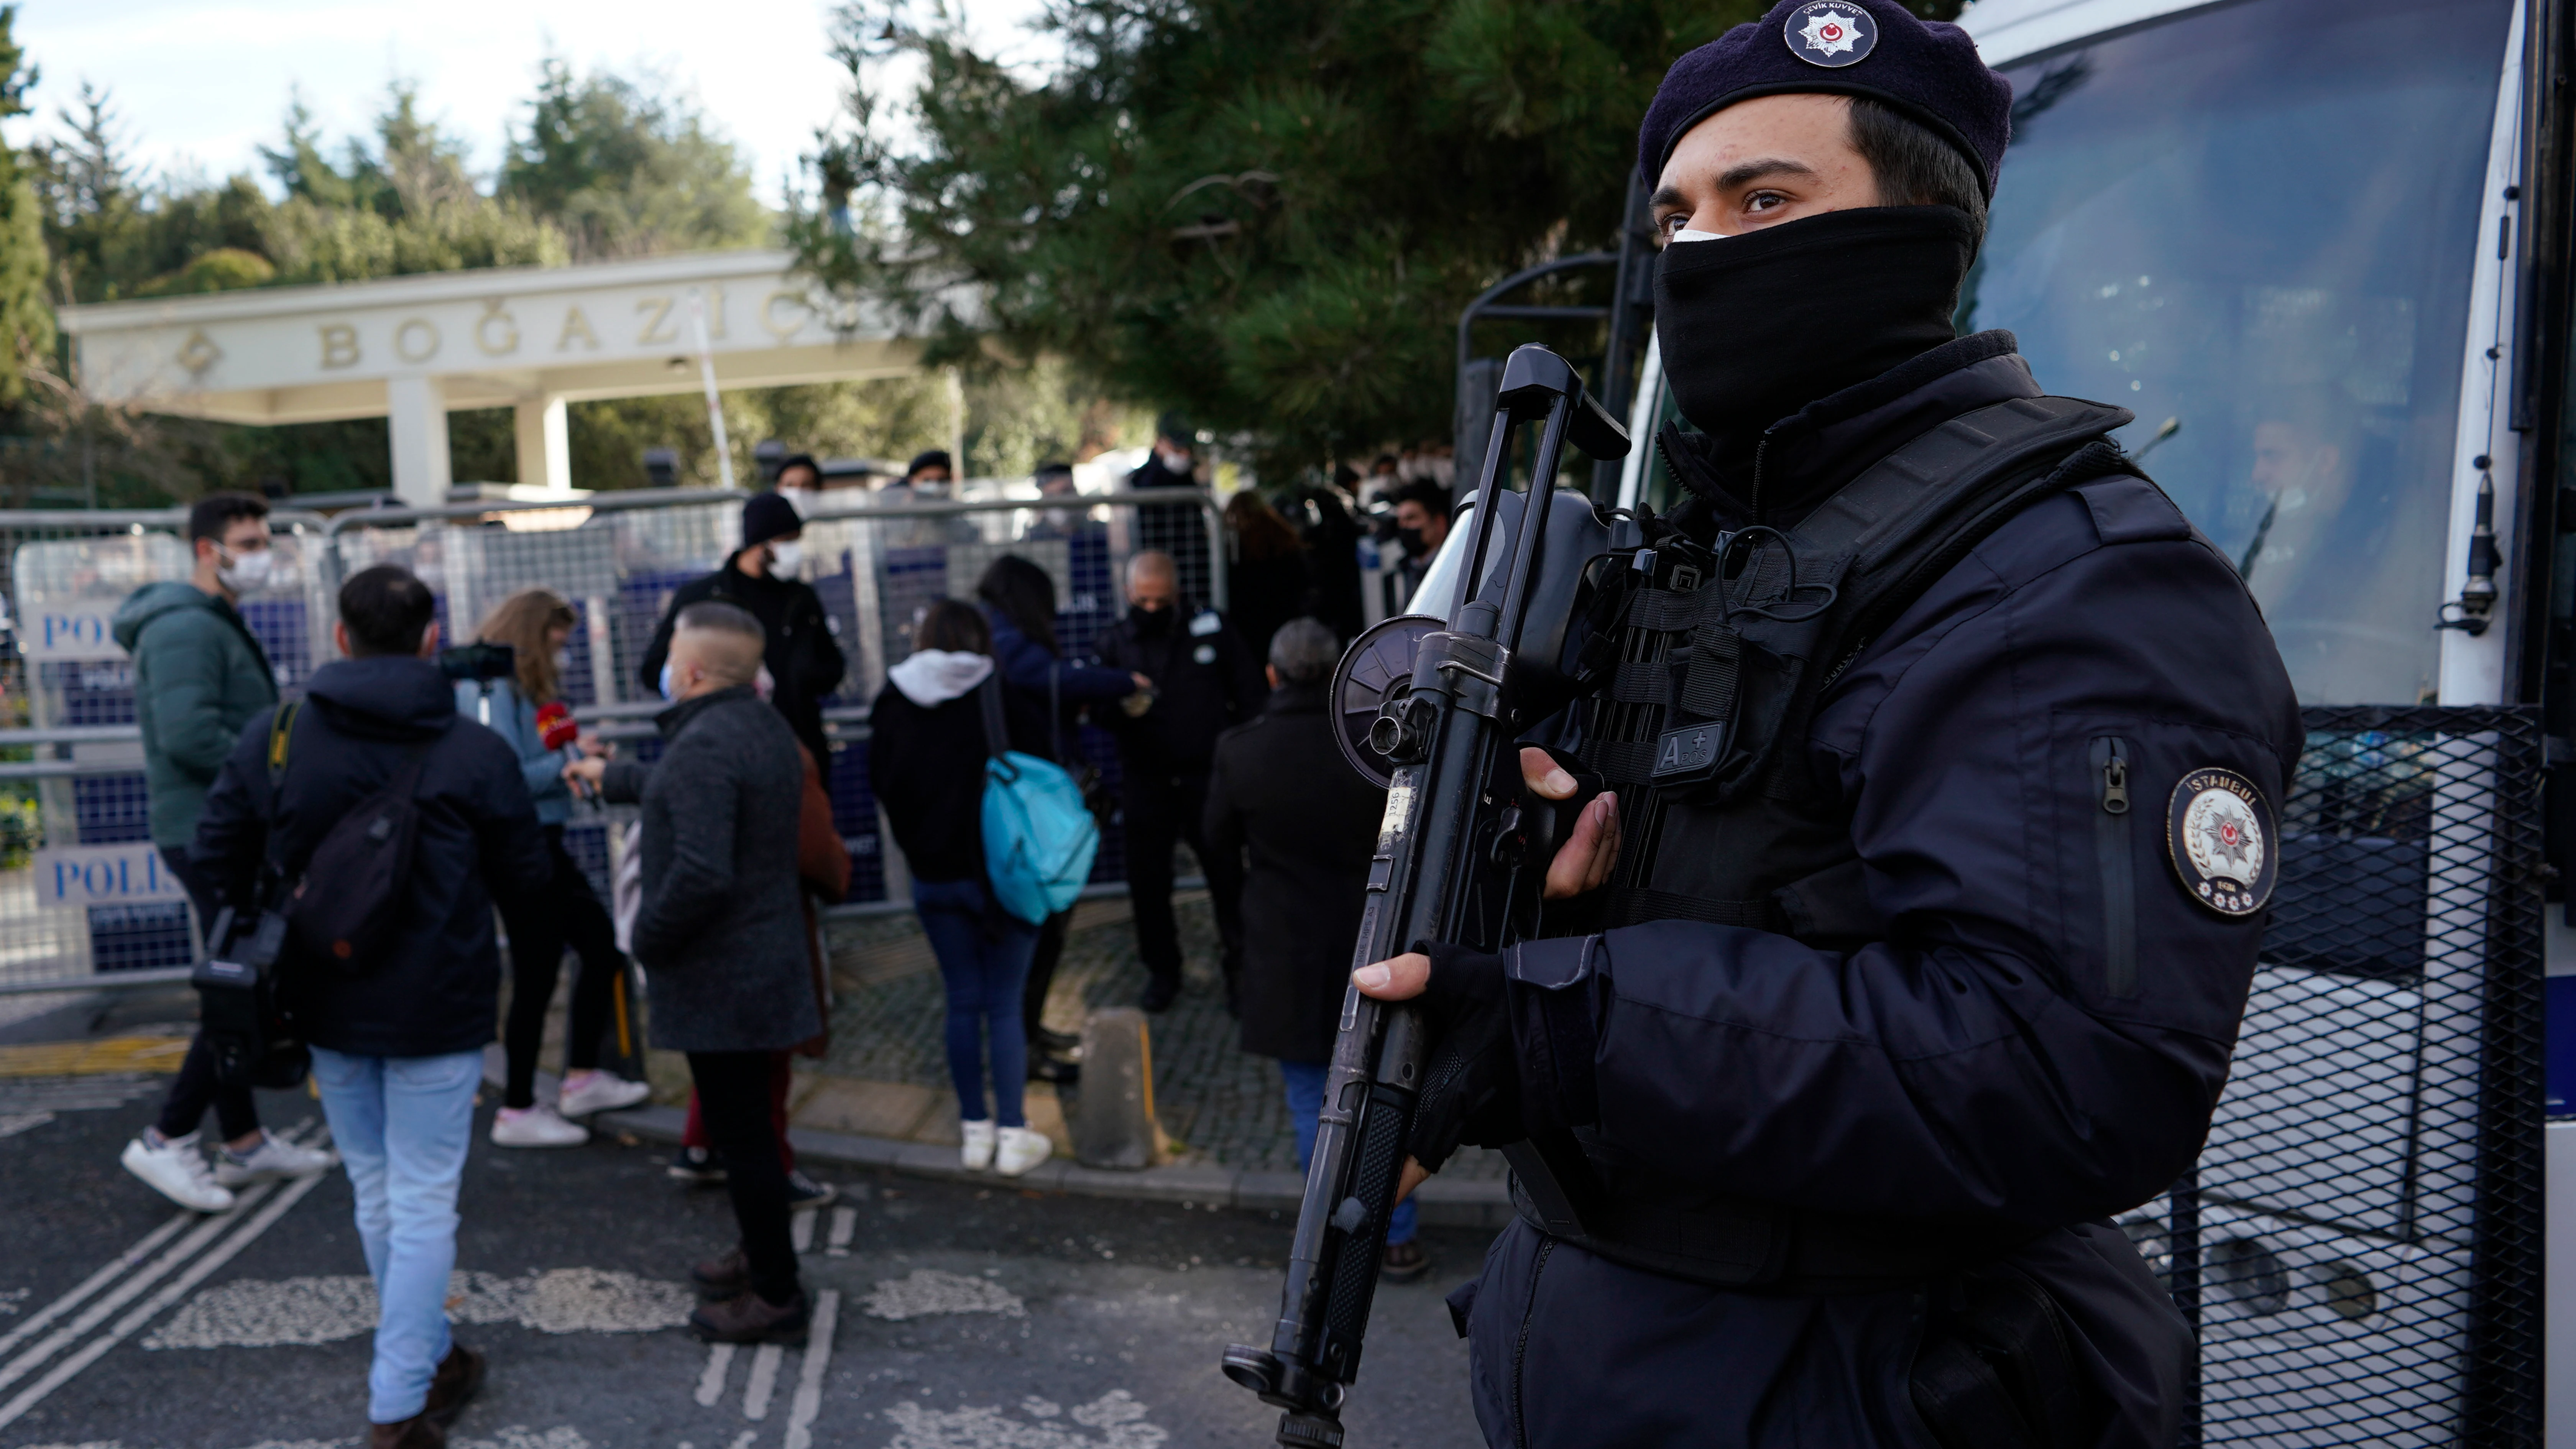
766 516
1876 48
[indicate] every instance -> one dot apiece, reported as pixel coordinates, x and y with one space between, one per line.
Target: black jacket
1266 593
804 659
926 766
1205 681
1984 1066
1281 789
479 838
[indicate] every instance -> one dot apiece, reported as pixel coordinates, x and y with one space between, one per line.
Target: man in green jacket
199 676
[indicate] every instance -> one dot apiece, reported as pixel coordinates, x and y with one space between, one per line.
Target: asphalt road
965 1317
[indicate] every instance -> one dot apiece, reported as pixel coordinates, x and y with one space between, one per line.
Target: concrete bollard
1113 1122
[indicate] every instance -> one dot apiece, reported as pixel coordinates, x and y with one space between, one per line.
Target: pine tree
26 321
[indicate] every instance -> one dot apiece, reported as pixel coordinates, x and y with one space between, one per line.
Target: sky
204 83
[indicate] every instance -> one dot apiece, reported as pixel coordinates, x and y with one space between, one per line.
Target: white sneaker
1021 1150
601 1092
977 1151
272 1158
177 1171
536 1126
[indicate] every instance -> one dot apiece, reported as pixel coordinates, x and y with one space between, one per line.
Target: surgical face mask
1174 461
1152 623
246 572
801 499
787 555
1411 538
668 691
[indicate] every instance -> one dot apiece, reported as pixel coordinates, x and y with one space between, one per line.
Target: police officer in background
1861 1050
1204 682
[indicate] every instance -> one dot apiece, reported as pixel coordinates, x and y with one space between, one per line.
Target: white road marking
711 1384
207 1230
257 1313
13 1123
744 1441
801 1232
930 1291
845 1225
562 1436
95 1281
763 1381
177 1289
1117 1416
808 1404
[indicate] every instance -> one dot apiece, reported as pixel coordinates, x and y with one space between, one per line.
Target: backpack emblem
2218 829
1831 33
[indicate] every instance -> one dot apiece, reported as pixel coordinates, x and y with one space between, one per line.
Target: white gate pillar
416 409
545 442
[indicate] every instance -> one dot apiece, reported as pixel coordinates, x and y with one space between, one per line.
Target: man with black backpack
380 826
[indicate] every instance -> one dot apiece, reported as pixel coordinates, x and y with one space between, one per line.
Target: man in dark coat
804 658
398 1042
1281 790
1861 1050
1203 682
721 936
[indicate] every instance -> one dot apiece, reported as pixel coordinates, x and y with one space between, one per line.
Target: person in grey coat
722 941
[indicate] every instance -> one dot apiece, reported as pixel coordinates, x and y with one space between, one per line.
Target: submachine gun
1431 709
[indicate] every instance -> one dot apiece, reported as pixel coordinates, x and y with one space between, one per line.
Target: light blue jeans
1305 1081
402 1125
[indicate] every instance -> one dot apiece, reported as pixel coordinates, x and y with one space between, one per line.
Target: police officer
1930 950
1203 682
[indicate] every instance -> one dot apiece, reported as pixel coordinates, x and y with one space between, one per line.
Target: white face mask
247 572
801 499
787 555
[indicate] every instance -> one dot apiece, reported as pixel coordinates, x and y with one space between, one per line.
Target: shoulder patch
2219 835
2128 509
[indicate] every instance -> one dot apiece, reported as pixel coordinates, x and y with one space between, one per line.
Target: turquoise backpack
1039 838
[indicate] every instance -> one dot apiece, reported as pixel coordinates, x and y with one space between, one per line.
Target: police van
2319 248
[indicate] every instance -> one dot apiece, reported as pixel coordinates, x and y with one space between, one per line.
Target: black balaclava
1755 327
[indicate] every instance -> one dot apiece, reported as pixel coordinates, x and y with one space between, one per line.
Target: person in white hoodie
926 754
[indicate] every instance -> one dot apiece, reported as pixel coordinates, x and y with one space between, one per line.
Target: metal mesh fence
2358 1246
81 888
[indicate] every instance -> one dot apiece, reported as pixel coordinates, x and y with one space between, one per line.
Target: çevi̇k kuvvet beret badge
1876 48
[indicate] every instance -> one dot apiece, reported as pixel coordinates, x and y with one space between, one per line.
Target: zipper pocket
2111 852
1520 1350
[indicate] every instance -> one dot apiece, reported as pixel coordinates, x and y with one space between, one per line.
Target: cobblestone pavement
1216 1102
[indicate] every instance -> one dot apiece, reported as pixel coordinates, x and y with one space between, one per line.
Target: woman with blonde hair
526 708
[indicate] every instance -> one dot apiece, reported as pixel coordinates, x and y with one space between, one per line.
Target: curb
1476 1204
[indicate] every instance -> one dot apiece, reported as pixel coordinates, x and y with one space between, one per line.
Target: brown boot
420 1431
718 1279
459 1379
750 1318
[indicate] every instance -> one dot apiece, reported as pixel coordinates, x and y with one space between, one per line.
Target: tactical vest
1704 719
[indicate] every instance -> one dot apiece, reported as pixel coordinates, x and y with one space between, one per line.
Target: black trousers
1162 809
196 1089
1033 993
568 912
733 1104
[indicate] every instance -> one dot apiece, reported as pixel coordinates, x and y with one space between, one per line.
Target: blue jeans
1305 1102
984 954
402 1125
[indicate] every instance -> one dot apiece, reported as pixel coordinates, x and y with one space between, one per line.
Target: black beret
1876 48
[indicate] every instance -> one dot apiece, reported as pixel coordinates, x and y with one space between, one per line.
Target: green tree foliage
627 173
1267 215
26 322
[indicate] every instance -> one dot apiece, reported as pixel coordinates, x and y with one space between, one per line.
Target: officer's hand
585 772
1471 1091
1584 861
1401 979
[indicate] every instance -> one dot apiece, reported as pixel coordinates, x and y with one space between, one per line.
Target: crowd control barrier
84 899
